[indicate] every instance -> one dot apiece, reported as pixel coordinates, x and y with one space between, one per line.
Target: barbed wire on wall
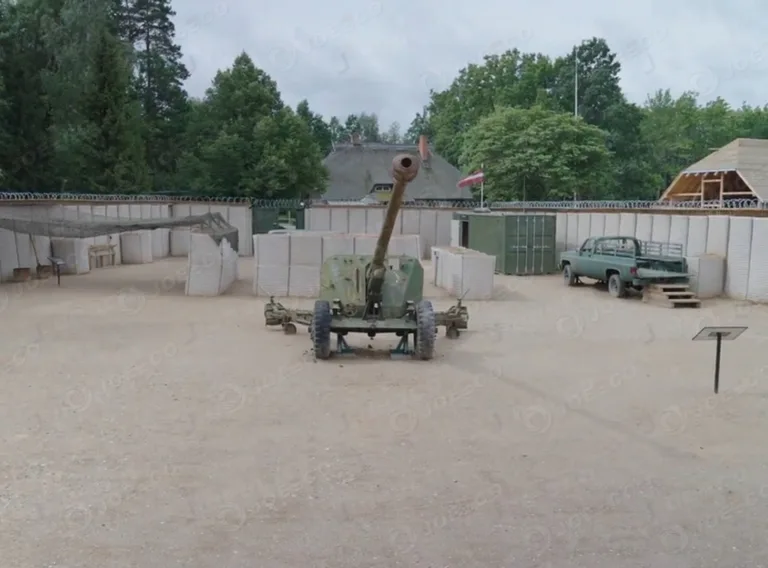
295 204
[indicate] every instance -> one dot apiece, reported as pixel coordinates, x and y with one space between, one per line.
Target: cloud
384 57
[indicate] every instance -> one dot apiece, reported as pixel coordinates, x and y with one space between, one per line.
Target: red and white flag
472 179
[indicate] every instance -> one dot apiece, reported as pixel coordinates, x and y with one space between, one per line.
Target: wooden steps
671 296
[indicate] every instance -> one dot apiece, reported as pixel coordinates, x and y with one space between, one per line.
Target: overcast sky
348 56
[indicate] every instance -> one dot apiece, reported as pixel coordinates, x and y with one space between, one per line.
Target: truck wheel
321 329
616 286
568 277
425 330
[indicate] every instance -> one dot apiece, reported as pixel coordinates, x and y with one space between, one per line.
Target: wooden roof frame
670 193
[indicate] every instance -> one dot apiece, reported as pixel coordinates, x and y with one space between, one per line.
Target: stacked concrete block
336 244
74 253
305 259
698 226
212 267
738 259
271 263
757 279
707 275
180 237
136 247
464 272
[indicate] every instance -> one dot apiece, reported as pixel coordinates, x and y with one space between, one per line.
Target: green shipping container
523 244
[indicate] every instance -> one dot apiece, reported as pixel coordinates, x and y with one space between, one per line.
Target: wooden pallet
671 296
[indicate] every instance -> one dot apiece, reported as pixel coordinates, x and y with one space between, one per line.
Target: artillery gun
374 294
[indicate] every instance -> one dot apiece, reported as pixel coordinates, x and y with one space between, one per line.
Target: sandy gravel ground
141 428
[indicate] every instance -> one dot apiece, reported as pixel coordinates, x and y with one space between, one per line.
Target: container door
455 233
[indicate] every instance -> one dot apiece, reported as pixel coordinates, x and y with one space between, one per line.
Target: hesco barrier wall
738 234
19 250
736 231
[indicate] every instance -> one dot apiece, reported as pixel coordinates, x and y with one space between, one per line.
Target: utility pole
575 92
575 83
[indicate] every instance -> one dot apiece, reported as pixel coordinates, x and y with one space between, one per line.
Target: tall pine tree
160 73
112 152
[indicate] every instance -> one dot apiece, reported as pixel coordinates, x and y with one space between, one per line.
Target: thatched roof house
359 170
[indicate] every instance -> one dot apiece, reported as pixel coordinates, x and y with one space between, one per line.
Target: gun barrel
404 170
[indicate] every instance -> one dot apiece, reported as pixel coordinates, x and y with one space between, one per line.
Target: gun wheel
289 329
321 329
425 330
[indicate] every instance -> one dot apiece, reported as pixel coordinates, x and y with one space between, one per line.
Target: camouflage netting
97 225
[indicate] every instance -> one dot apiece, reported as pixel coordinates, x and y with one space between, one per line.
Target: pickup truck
625 263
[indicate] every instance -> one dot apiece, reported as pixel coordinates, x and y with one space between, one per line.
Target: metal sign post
719 334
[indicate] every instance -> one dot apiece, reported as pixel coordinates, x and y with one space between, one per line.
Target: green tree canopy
537 154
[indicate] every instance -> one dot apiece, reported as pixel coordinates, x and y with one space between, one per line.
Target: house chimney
423 148
356 138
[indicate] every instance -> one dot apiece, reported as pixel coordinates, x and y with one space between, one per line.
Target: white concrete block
100 213
561 231
135 210
271 280
239 217
155 211
272 250
161 243
572 232
222 210
707 275
180 239
199 209
180 210
612 224
596 224
229 268
306 248
124 211
697 235
464 272
678 231
584 224
319 219
477 273
165 211
443 228
718 230
357 220
74 252
304 281
336 244
365 244
374 219
212 268
627 224
408 245
411 221
660 230
146 211
340 219
25 252
644 227
114 239
136 247
757 288
427 231
9 259
737 262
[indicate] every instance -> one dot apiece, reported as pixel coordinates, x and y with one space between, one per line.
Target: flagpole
482 186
